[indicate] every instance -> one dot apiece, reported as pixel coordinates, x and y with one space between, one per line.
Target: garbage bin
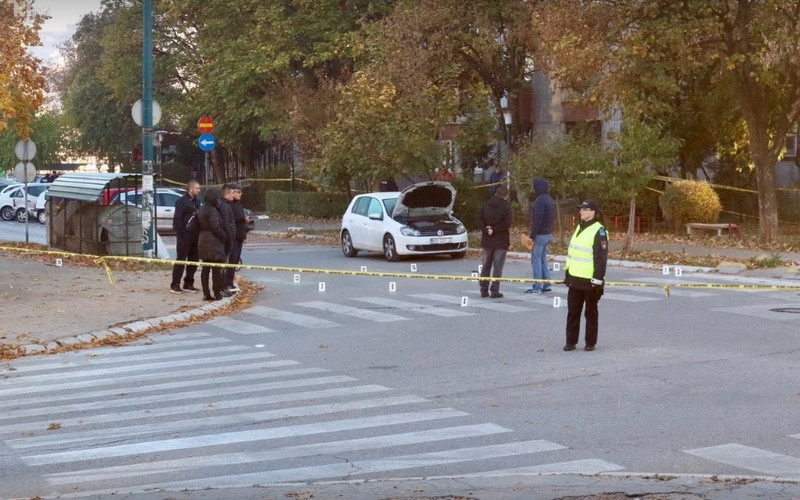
120 230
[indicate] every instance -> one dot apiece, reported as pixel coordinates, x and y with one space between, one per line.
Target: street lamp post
148 232
508 118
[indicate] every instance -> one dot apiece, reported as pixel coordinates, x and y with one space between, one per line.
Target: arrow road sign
206 142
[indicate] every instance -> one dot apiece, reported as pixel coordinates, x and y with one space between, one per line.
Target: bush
316 205
686 201
469 201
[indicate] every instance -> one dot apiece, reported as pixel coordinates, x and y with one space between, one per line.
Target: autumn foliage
22 83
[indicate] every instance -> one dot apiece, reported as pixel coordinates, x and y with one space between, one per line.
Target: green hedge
309 204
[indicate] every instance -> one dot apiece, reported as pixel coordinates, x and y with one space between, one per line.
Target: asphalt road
397 377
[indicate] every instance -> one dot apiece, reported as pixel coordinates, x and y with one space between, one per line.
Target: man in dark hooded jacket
494 219
543 214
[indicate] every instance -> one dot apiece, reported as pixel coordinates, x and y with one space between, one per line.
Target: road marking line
355 312
755 459
185 465
249 436
290 317
413 306
491 304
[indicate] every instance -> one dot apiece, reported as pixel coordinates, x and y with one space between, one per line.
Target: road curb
134 327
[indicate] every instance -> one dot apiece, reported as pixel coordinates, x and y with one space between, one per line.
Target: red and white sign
205 125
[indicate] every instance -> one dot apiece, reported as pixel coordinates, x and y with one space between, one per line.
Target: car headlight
460 229
407 231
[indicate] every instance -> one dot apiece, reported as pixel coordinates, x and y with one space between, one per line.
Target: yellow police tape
104 259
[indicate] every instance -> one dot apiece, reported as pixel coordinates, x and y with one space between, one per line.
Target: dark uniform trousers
186 250
576 298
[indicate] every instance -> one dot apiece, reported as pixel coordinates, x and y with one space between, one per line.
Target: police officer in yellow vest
587 257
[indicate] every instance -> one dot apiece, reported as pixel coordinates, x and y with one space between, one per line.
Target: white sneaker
234 288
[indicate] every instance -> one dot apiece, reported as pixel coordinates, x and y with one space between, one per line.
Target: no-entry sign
205 125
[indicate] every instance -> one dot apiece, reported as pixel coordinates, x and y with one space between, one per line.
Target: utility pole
148 222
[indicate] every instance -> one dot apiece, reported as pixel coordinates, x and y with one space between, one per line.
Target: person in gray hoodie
543 214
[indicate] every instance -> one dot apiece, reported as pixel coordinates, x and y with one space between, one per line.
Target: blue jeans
541 243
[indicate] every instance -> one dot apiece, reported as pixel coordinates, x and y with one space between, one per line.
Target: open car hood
432 194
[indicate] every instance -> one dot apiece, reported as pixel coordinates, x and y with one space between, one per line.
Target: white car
12 200
164 200
416 221
38 212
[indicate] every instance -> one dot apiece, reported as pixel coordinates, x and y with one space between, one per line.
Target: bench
719 228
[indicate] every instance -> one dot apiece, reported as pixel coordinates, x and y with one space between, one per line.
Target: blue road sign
206 142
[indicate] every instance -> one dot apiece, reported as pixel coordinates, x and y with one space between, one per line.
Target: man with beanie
543 215
494 219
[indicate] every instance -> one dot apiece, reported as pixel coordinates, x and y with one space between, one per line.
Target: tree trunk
631 225
765 162
218 165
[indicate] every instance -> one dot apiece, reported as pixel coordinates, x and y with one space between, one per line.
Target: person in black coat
494 219
186 244
212 245
234 198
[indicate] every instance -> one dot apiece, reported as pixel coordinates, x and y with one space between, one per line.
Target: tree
640 53
573 166
639 151
22 82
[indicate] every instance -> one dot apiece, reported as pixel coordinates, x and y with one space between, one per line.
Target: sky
65 15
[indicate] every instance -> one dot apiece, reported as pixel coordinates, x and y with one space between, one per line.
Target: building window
790 148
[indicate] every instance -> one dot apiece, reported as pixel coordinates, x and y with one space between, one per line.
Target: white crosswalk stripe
491 304
752 459
290 317
238 326
368 314
147 423
413 306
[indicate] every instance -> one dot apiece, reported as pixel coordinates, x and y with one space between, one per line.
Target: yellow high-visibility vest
580 257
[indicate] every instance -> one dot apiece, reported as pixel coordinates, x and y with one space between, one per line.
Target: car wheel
458 255
21 215
347 245
41 216
390 249
7 213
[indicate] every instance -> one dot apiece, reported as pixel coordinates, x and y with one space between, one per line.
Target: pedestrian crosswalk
753 460
194 411
335 311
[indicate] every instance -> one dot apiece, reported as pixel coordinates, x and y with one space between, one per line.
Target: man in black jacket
241 220
186 248
494 219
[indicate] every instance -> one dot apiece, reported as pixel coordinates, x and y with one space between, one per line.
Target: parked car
164 201
38 211
12 200
416 221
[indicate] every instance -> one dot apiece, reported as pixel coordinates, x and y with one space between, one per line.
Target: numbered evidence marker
556 301
363 269
480 268
59 262
474 274
392 286
556 266
321 286
413 268
297 278
665 271
678 271
464 301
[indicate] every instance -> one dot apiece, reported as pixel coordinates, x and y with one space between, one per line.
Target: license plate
439 241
